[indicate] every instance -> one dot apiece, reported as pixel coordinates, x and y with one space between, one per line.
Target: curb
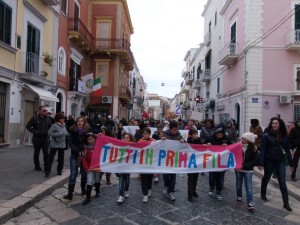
292 189
19 204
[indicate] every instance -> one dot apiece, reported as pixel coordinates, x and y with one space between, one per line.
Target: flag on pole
97 87
88 81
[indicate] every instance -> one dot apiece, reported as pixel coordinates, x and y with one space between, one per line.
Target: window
33 49
5 23
62 61
199 71
296 112
74 75
102 72
297 17
218 85
233 33
298 79
63 6
216 16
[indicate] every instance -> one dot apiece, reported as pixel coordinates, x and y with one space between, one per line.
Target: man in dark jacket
294 138
39 126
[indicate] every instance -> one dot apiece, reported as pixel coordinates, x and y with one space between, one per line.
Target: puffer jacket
58 133
76 142
294 137
176 137
87 155
270 149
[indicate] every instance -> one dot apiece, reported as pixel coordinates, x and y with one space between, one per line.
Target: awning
42 93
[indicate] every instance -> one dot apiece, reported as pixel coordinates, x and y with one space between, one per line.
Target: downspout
245 92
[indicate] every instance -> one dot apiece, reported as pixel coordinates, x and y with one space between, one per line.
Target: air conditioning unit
107 99
283 99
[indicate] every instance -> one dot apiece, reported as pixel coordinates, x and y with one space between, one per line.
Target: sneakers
145 199
171 196
156 179
219 197
239 200
251 206
37 168
165 191
149 193
126 194
210 194
120 199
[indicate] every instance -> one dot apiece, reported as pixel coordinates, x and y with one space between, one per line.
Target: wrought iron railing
33 63
229 49
293 37
75 24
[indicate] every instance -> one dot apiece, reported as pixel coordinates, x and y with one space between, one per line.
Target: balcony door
74 75
32 49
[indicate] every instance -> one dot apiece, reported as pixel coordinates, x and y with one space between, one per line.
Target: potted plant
48 58
44 73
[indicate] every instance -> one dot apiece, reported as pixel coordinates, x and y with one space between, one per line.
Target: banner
88 81
164 156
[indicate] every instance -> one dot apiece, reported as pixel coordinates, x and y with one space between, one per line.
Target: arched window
61 61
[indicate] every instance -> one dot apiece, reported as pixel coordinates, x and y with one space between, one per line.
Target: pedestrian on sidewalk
146 179
294 138
124 178
193 177
170 178
76 142
246 172
39 126
58 134
273 149
92 176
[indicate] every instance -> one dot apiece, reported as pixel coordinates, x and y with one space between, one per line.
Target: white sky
164 30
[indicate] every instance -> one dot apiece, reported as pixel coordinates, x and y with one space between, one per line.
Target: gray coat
58 133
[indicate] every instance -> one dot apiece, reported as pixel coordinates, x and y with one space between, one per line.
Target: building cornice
206 7
225 7
34 10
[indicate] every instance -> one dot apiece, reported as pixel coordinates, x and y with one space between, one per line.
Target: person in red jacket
92 176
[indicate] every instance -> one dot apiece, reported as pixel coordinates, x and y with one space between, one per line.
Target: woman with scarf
273 149
76 143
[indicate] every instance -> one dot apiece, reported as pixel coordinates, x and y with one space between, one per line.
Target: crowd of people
270 150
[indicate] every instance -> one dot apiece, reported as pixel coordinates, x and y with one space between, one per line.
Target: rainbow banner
164 156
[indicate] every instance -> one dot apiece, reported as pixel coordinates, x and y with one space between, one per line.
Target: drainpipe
245 92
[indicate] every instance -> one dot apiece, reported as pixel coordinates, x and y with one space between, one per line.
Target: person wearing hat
246 171
216 179
294 138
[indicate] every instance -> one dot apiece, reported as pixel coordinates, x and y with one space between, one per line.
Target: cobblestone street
159 210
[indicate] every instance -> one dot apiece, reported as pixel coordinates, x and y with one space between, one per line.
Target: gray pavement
21 189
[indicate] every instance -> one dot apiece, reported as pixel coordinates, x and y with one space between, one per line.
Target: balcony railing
51 2
228 55
185 88
125 93
197 84
293 40
76 25
205 76
207 38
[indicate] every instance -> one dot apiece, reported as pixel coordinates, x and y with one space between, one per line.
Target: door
2 110
33 49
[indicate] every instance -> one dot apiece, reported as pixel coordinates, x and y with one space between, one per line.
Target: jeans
38 144
61 156
124 179
93 176
216 180
269 166
169 181
247 177
74 170
192 183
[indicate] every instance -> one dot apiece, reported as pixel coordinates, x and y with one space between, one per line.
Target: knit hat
249 137
220 129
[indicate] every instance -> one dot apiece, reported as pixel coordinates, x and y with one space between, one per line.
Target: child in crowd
193 177
105 131
146 179
158 134
124 178
92 176
245 173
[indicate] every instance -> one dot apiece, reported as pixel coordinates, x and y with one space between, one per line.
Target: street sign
178 110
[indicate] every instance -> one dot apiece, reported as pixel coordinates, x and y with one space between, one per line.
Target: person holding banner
274 151
216 178
124 178
76 142
157 136
193 177
146 179
170 179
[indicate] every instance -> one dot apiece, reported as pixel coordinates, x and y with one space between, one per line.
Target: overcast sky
164 30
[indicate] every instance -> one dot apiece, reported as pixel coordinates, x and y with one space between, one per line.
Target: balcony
207 38
79 33
196 84
125 94
51 2
185 88
34 69
189 78
205 76
293 40
228 55
115 46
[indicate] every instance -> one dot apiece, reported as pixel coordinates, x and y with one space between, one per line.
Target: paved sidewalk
21 186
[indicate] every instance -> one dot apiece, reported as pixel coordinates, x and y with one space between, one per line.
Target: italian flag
97 87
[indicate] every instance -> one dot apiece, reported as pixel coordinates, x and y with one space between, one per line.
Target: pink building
260 61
